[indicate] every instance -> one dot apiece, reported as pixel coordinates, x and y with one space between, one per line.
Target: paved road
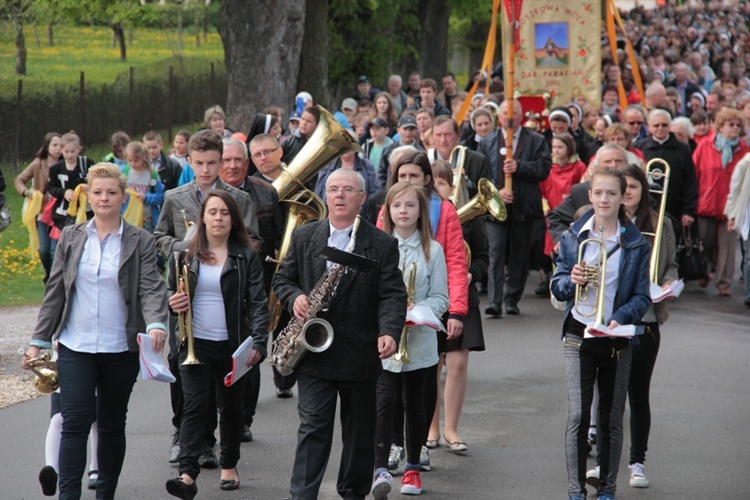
514 419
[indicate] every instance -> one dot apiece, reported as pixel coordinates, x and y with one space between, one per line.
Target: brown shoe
703 282
724 292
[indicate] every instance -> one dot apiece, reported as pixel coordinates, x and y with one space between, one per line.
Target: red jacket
451 238
561 178
713 180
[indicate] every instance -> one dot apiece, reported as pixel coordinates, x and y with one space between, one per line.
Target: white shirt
209 313
516 136
591 256
338 238
96 323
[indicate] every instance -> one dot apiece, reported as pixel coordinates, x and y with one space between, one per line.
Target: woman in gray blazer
103 289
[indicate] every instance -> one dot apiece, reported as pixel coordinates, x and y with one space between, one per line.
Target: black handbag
690 256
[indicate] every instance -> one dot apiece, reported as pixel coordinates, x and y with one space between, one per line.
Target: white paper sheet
152 362
595 330
423 315
239 362
674 290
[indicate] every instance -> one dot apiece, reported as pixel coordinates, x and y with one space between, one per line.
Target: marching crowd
209 216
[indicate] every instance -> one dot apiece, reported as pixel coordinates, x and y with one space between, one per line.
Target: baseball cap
407 121
363 79
295 116
349 103
379 122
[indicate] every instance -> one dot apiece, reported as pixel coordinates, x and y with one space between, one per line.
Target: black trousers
93 386
509 246
412 385
317 414
639 390
197 384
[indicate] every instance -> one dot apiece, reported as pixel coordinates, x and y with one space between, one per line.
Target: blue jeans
93 385
46 246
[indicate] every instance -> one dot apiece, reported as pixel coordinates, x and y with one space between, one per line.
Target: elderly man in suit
445 136
367 313
510 241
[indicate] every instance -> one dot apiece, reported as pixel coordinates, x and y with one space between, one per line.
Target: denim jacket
633 298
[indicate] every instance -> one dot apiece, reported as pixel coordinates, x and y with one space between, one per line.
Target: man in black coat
682 196
445 136
685 87
367 313
510 241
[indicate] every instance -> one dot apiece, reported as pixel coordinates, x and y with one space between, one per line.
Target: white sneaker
382 485
592 477
638 477
424 459
396 457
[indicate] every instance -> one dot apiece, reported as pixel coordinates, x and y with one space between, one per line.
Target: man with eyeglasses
367 312
682 198
635 120
233 171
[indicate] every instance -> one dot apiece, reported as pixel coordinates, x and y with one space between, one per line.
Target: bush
108 107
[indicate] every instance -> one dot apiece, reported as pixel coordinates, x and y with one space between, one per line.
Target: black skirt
472 338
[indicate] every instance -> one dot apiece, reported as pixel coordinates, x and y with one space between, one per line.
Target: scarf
726 147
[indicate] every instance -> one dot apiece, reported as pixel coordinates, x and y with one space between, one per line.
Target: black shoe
48 480
174 450
542 290
229 484
494 310
208 459
247 435
512 309
93 478
179 489
284 393
747 302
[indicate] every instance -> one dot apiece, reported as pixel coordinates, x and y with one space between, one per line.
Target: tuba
185 319
487 200
329 141
595 276
305 207
45 373
411 291
460 196
313 334
654 174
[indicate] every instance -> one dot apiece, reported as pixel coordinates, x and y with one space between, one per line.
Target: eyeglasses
635 123
265 152
347 190
659 125
734 124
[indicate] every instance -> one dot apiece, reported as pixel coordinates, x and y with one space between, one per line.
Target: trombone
185 319
653 174
460 196
595 276
411 291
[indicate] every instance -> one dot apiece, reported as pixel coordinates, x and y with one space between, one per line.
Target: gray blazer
170 230
365 306
143 289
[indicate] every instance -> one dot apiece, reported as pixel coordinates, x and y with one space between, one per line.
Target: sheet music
597 330
423 315
152 362
239 362
674 290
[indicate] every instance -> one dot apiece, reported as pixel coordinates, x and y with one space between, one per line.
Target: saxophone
313 334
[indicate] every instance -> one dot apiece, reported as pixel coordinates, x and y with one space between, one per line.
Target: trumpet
411 291
44 368
185 319
190 227
653 174
595 276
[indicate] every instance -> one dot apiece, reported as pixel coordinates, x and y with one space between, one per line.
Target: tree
262 46
17 11
313 70
115 14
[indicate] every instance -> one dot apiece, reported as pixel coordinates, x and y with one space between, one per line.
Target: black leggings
413 392
644 359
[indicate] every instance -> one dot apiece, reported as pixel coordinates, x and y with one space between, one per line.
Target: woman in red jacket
414 167
714 163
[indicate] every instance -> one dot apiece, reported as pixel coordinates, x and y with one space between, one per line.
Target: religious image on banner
558 55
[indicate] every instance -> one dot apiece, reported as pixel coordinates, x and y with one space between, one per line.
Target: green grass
89 49
21 273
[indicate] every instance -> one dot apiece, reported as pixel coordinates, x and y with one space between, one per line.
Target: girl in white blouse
407 219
